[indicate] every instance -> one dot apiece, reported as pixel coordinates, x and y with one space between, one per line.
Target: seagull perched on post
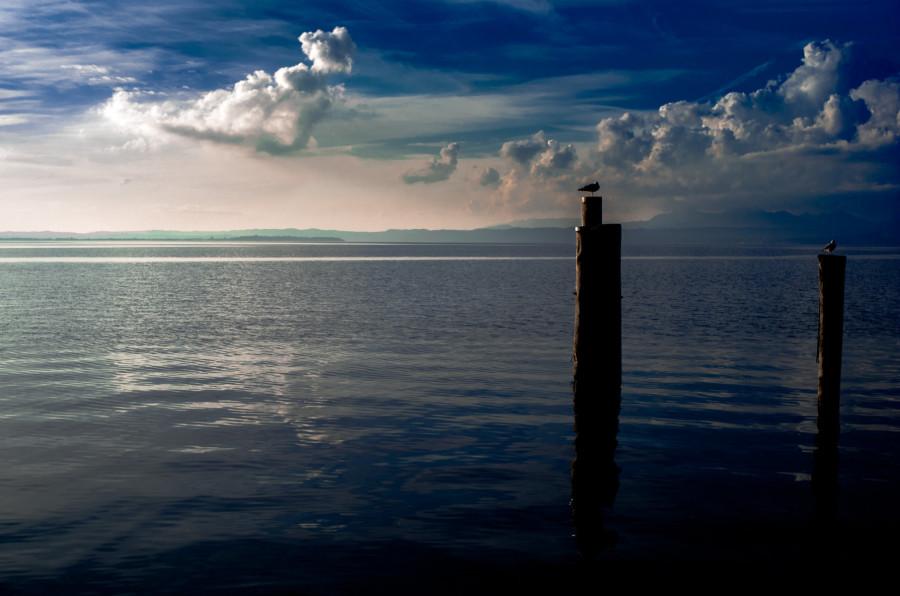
591 188
829 247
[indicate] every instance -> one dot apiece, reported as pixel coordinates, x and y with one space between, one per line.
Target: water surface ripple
256 418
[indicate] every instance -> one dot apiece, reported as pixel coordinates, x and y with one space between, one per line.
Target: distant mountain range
737 227
753 226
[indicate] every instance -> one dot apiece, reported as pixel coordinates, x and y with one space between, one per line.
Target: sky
366 115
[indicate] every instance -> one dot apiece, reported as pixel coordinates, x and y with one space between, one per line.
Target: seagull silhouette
591 188
829 247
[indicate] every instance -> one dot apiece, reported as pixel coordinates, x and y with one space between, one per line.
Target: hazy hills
750 226
740 227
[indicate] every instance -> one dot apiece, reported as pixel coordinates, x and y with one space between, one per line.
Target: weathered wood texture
830 341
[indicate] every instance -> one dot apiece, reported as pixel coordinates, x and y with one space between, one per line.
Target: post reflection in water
829 349
825 471
595 476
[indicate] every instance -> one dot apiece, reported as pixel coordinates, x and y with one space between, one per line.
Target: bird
829 247
591 188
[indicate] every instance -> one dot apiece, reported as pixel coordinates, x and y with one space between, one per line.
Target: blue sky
221 114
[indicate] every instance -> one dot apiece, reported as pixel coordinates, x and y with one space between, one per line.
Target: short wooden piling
830 342
591 211
598 374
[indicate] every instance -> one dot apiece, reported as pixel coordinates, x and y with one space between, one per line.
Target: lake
255 418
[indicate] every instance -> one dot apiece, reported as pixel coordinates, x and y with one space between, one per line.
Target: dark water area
327 419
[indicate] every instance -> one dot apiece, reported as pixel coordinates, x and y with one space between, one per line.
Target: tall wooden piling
830 342
598 374
828 355
598 309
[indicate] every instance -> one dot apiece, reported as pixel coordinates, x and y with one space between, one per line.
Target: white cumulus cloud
785 146
329 52
278 112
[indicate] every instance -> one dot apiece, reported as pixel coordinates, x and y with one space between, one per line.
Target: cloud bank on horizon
810 136
208 139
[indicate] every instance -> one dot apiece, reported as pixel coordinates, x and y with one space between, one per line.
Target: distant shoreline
139 238
732 228
630 237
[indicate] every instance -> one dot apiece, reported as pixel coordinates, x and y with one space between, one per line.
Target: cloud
438 170
7 94
555 160
12 119
821 74
739 80
539 156
93 74
488 177
276 112
329 52
520 153
789 145
536 6
540 170
774 141
882 99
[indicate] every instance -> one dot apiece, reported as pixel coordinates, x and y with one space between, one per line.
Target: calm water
289 418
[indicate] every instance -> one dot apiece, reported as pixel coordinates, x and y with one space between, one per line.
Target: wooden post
598 307
598 374
591 211
830 342
828 355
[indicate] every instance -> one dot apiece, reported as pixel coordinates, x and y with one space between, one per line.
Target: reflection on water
595 476
825 478
328 426
261 368
164 259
